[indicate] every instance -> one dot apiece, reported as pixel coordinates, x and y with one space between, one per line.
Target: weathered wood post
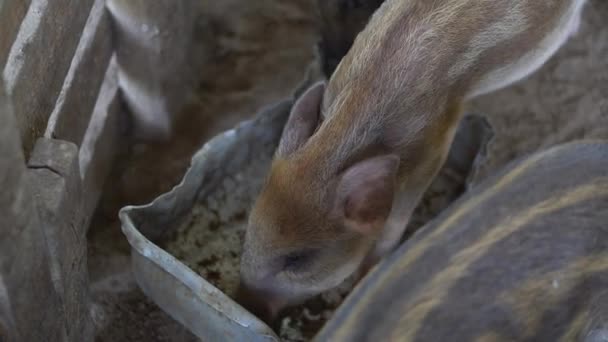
156 59
11 14
62 111
39 58
30 304
55 178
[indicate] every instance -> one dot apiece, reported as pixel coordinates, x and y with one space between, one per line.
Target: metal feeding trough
233 158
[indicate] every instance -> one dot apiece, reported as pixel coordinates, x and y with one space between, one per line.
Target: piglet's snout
263 304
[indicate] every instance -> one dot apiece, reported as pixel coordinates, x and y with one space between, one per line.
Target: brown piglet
357 153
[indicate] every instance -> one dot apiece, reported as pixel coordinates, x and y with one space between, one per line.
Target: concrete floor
262 48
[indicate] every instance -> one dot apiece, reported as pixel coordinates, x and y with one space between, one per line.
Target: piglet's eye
297 260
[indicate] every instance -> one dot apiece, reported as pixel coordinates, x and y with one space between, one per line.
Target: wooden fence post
60 80
31 304
11 14
55 175
39 59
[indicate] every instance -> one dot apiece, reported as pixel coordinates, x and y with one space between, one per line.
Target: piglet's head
310 229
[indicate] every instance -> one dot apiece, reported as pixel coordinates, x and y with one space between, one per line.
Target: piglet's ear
303 120
365 193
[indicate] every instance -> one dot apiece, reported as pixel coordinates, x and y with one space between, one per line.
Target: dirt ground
261 50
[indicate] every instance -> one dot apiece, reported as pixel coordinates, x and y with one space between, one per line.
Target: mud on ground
261 50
